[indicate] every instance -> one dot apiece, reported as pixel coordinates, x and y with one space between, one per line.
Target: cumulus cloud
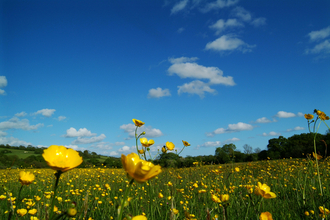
45 112
182 59
323 47
16 123
263 120
319 35
158 93
74 147
13 141
298 128
272 133
3 83
246 16
283 114
222 25
258 22
229 43
82 132
2 133
218 4
150 132
179 6
81 140
60 118
217 143
196 87
21 114
106 145
240 126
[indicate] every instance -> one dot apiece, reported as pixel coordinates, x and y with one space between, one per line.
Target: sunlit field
175 193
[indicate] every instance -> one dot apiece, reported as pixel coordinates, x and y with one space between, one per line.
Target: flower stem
124 199
57 175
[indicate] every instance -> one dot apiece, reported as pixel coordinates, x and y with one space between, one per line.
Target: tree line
296 146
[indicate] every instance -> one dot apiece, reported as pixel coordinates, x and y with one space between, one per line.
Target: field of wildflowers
270 189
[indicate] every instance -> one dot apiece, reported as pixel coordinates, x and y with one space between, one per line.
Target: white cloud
3 83
182 59
240 126
74 147
186 69
45 112
263 120
150 132
242 13
21 114
323 47
82 132
298 128
272 133
229 43
218 4
2 133
179 6
300 114
16 123
258 22
319 35
60 118
180 30
81 140
13 141
283 114
196 87
106 145
222 25
113 153
217 143
159 92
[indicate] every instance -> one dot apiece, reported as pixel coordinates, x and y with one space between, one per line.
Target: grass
189 190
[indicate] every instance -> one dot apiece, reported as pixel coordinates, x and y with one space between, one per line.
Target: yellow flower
321 115
72 212
139 217
160 195
61 158
185 143
141 151
236 169
175 211
138 169
324 210
34 218
224 197
264 191
138 123
215 199
306 213
144 141
2 197
32 211
309 116
21 212
170 146
26 178
266 216
319 157
164 150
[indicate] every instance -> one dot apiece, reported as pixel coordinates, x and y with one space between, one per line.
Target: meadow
175 193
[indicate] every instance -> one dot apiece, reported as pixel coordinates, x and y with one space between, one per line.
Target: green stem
19 196
57 175
317 164
124 199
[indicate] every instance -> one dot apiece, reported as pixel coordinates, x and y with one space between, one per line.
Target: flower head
139 170
266 216
321 115
185 143
137 123
61 158
264 191
324 210
21 212
164 150
224 197
26 178
309 116
170 146
319 157
144 141
139 217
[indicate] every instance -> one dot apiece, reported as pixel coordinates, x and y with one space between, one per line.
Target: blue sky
75 73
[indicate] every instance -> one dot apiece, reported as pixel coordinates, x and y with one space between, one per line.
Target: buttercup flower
170 146
264 191
26 178
224 197
21 212
141 151
139 217
309 116
164 150
61 158
237 169
185 143
139 170
32 211
319 157
215 199
321 115
324 210
138 123
175 211
144 141
266 216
